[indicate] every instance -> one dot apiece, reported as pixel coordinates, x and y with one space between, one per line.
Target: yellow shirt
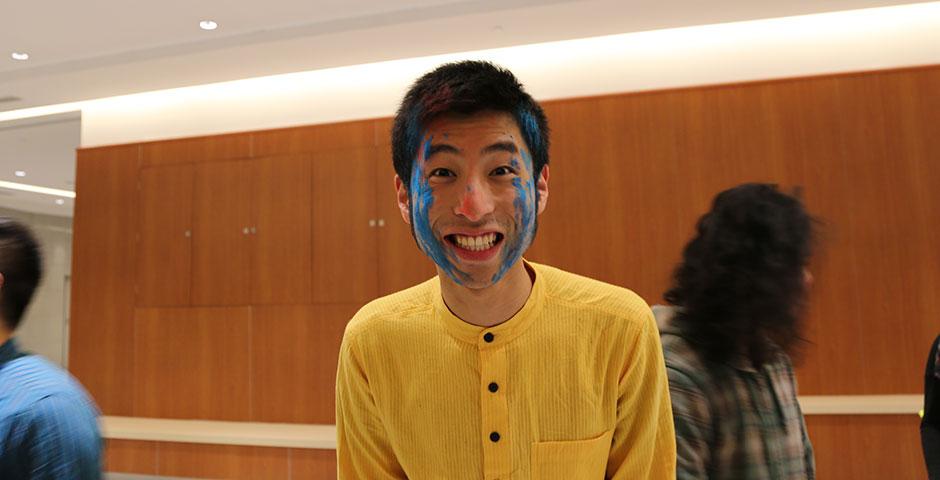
571 387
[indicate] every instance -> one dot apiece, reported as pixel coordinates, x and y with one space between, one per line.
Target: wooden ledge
288 435
292 435
861 404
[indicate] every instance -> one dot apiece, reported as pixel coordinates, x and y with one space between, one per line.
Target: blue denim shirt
48 423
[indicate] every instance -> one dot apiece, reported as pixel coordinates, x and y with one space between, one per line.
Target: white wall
879 38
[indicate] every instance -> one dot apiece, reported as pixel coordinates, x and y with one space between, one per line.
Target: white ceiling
101 48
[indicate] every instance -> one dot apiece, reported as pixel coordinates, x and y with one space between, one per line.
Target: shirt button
493 387
494 437
488 337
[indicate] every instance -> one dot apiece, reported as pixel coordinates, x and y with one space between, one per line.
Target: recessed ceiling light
59 201
19 173
208 25
20 56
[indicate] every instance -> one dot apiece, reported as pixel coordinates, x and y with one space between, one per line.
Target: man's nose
475 202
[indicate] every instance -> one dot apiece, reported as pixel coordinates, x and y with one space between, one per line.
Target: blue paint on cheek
422 198
524 204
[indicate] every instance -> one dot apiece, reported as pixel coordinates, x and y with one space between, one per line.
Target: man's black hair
465 88
21 266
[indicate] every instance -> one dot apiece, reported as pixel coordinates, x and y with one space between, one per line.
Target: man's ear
541 184
404 202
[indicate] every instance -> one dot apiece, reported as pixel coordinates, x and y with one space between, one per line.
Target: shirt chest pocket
571 460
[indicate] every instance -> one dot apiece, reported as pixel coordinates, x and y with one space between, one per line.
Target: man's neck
492 305
5 334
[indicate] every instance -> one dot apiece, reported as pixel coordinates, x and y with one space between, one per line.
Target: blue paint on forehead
422 198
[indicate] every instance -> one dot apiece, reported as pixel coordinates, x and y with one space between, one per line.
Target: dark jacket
930 425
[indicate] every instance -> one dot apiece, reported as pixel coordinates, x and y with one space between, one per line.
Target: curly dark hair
740 287
21 266
465 88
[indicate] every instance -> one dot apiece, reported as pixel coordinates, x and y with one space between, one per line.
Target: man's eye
499 171
441 172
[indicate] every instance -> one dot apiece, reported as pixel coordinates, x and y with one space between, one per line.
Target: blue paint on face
422 198
525 205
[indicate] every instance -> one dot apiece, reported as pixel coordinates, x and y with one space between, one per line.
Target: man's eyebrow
507 146
438 148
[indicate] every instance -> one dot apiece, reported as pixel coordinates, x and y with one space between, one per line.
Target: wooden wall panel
164 235
222 461
293 362
221 262
196 149
103 266
383 133
192 363
866 446
308 464
130 456
344 240
218 461
314 138
281 201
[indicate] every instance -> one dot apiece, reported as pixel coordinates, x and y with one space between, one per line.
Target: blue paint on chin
422 198
525 206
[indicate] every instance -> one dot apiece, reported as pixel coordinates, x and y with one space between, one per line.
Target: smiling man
497 368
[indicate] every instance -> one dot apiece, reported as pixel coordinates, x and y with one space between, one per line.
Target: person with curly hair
734 321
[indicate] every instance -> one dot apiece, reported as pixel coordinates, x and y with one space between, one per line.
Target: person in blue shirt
48 423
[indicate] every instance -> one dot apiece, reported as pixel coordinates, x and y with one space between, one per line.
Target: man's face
471 199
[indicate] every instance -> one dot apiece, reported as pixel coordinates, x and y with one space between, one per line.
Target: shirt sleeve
930 424
693 423
62 440
643 444
363 450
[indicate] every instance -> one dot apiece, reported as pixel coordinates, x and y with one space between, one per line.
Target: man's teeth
476 244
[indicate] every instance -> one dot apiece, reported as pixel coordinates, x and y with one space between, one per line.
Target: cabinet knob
254 230
381 222
187 234
245 231
371 222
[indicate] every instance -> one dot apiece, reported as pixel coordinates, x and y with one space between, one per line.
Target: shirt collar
10 351
500 334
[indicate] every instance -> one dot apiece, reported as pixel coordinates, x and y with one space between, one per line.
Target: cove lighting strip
37 189
851 40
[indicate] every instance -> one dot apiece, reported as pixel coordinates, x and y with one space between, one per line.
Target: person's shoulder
398 306
65 408
677 350
61 432
583 292
34 384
